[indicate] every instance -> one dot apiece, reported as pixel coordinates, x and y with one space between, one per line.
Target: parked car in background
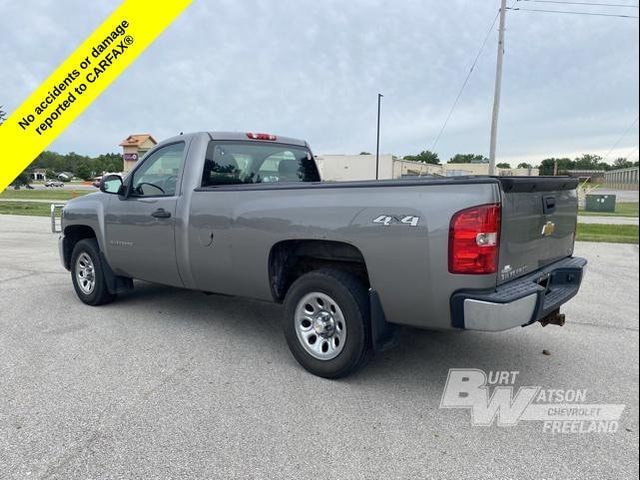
247 215
54 183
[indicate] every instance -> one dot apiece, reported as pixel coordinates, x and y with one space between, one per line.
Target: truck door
140 228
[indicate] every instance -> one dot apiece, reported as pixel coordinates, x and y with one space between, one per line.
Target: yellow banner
80 79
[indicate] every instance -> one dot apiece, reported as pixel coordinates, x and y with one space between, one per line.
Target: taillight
261 136
474 236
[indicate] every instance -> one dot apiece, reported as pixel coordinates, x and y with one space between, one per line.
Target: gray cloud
312 69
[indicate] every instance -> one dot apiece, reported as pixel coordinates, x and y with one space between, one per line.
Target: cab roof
240 136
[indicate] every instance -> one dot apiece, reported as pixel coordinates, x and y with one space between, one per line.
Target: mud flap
115 283
384 335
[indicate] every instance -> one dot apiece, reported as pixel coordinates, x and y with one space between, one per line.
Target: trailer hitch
554 318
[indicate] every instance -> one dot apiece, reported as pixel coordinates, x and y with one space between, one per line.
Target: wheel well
290 259
72 235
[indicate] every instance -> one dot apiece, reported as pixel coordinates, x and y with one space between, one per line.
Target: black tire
99 294
351 296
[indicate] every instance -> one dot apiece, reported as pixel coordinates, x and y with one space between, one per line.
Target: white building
354 167
363 167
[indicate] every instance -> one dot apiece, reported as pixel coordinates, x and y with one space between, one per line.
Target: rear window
228 163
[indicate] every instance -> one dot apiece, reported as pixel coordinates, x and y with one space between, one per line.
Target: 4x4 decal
387 220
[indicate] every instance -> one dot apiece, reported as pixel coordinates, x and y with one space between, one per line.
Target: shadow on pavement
421 356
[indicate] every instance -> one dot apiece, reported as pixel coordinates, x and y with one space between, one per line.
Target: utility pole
496 94
378 138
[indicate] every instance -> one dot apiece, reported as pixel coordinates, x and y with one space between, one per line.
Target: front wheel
87 273
327 324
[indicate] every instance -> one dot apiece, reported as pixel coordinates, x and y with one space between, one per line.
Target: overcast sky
312 69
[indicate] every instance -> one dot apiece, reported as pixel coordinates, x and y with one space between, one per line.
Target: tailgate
539 216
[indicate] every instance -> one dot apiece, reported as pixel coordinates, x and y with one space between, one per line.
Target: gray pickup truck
248 215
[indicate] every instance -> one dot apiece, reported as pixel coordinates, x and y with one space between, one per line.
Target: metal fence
623 179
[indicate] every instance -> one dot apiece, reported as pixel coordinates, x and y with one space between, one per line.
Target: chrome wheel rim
85 273
320 326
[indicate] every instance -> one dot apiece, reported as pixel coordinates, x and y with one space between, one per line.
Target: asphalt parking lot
166 383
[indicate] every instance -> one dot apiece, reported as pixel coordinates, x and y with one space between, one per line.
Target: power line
572 12
624 134
583 3
466 81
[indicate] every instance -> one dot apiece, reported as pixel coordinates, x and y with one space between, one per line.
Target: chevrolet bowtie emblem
548 228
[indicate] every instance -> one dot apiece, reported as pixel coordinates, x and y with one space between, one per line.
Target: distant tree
22 180
591 162
503 165
84 171
3 115
425 156
468 158
524 165
364 153
622 163
547 165
109 162
585 162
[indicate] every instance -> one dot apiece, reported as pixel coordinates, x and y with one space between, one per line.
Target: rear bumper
520 302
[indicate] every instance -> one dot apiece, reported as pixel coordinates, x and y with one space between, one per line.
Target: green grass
622 210
596 232
25 208
45 194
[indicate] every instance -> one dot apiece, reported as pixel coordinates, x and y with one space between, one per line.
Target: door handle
161 213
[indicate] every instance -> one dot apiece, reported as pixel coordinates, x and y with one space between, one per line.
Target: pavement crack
599 325
69 456
29 274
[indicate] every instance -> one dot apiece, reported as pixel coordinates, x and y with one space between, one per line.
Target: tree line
547 166
81 166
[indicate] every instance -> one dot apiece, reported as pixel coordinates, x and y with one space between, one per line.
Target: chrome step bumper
521 301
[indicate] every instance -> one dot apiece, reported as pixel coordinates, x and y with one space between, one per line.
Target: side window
158 175
241 162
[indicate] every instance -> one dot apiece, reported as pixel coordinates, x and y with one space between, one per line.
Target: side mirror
111 184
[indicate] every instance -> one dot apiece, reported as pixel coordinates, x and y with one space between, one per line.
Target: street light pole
498 87
378 138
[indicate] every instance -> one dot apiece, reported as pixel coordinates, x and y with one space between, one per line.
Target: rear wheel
87 273
327 323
